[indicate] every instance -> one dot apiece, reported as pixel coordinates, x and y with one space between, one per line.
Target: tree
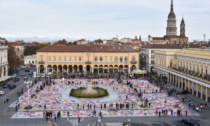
30 50
61 42
13 59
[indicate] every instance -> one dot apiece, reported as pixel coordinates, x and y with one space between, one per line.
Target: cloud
99 18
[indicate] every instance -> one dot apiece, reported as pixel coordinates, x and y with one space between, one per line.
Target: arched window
115 58
133 58
96 58
121 59
126 59
101 58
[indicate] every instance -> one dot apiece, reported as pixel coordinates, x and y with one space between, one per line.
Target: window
101 58
110 58
133 58
64 58
105 58
126 59
54 58
41 58
96 58
80 58
121 59
88 58
49 58
69 58
116 59
75 58
59 58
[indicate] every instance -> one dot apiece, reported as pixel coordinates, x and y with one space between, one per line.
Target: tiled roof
15 44
169 46
87 48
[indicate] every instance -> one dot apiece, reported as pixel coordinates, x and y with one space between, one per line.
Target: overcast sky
93 19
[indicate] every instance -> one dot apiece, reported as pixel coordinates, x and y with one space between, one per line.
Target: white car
38 75
14 76
2 93
43 75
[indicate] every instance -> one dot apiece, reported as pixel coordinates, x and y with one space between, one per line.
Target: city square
104 63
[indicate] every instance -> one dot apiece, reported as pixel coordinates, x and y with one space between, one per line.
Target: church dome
171 15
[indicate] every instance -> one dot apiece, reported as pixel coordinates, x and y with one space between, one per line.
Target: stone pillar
201 91
129 69
178 82
207 95
196 90
192 85
188 85
208 70
182 83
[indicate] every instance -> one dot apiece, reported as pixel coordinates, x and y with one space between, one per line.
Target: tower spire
172 6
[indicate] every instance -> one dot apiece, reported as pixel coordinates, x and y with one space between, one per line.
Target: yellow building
187 69
87 58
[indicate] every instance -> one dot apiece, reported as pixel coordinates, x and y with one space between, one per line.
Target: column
201 91
178 82
207 94
46 70
67 70
188 85
192 85
196 90
129 69
57 69
208 70
181 83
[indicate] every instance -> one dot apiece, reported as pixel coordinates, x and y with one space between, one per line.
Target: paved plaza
56 98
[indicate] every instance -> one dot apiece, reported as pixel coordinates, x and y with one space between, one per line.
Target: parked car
22 74
25 77
38 75
190 122
12 86
14 75
27 70
6 85
16 79
2 93
43 75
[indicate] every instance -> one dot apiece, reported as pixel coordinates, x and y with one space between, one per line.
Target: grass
78 93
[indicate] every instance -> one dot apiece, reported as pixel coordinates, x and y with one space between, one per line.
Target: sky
99 19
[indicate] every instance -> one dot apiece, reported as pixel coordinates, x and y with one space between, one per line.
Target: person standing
186 112
55 117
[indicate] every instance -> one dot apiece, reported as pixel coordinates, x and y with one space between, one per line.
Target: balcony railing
41 62
133 62
87 62
190 74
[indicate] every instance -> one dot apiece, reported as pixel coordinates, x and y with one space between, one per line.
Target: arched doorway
111 69
106 69
121 68
49 68
96 69
41 68
75 68
55 69
115 68
126 69
65 68
70 68
101 69
80 68
88 68
60 69
133 67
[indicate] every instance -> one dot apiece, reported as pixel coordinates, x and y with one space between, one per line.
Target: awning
139 72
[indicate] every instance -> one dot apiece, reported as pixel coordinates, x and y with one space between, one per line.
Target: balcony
133 62
41 62
87 62
191 74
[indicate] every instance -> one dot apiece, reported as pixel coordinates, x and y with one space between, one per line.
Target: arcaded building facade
98 59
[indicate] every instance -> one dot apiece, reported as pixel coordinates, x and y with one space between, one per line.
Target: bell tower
182 28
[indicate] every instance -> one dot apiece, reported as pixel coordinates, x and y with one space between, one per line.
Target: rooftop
88 48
